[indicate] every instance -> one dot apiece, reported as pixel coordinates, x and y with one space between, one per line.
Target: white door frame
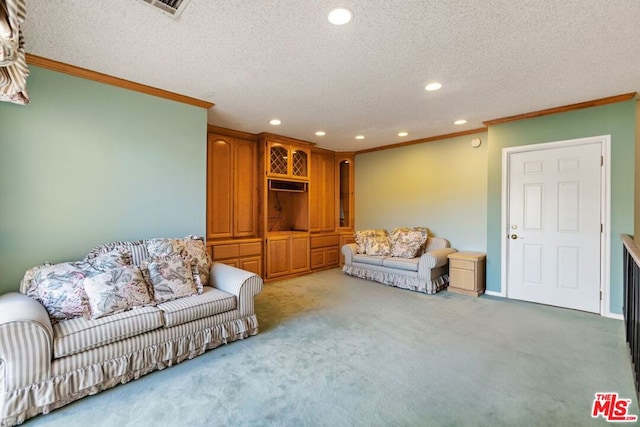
605 212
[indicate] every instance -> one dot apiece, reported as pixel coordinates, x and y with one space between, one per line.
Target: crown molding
565 108
72 70
422 140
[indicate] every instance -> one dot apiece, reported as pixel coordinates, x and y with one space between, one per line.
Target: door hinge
601 228
601 160
600 295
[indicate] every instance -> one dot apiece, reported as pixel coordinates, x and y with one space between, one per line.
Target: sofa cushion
409 264
211 301
79 334
171 277
406 243
115 291
368 259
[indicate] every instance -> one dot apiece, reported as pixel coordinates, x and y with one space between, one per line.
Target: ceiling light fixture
433 86
275 122
320 133
403 133
360 137
460 122
340 16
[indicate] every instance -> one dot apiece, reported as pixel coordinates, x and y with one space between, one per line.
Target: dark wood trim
422 140
72 70
565 108
322 150
232 132
284 139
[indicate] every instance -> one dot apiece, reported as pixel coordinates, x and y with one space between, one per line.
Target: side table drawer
462 264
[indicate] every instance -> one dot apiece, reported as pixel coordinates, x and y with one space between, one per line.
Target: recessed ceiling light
340 16
460 122
275 122
433 86
403 133
360 137
320 133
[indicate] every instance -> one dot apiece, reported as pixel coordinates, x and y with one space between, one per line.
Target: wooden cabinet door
277 256
252 264
219 186
322 192
317 258
245 194
327 207
299 254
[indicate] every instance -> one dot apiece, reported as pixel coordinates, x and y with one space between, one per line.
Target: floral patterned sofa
407 258
127 309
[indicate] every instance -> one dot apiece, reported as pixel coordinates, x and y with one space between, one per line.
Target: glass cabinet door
345 213
278 160
299 163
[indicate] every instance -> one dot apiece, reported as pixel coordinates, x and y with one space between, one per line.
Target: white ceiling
263 59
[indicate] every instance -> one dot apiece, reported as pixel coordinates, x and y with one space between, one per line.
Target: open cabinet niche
287 211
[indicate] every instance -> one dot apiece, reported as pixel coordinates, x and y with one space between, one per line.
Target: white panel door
554 226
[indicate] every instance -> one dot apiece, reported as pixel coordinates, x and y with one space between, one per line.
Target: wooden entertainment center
277 206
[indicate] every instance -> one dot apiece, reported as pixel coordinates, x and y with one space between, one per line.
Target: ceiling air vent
172 8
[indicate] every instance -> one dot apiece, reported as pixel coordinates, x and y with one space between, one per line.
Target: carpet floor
335 350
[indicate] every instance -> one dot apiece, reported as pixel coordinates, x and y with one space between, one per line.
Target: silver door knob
514 236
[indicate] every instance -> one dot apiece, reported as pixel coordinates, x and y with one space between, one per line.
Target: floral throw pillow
115 291
424 231
162 247
171 277
405 242
115 258
137 249
361 238
378 245
58 287
196 251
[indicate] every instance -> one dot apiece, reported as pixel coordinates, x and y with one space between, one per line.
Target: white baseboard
613 316
495 294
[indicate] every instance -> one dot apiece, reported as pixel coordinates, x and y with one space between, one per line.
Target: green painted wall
86 163
441 185
617 120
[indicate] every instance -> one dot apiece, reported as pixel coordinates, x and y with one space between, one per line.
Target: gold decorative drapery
13 65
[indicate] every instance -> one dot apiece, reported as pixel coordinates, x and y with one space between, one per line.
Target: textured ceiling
263 59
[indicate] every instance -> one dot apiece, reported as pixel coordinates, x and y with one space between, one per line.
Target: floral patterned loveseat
407 258
127 309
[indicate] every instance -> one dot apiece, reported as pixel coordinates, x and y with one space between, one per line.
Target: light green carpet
339 351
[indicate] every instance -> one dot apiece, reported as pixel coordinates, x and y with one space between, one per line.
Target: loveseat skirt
405 279
76 376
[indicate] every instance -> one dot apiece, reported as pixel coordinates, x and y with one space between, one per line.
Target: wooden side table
466 273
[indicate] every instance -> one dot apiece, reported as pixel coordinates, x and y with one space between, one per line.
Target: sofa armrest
349 250
26 339
434 259
245 285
